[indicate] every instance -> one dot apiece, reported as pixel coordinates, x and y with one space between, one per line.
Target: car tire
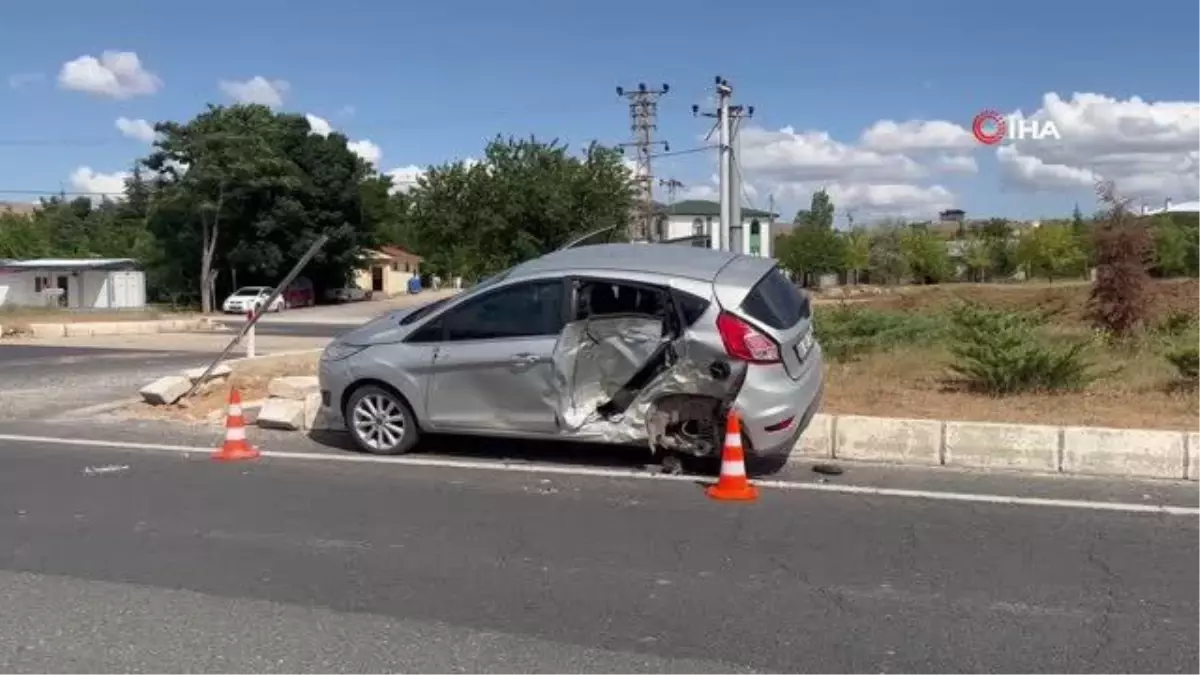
380 421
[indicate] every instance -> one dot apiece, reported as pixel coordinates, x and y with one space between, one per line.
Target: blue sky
430 82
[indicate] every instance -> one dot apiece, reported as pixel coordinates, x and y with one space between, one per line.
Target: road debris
107 468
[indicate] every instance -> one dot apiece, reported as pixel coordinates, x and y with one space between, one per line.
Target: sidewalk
176 342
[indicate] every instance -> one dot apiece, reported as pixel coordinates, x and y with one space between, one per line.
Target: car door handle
524 360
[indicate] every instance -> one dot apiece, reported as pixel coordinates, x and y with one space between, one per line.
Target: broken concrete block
220 371
296 387
281 413
312 406
165 390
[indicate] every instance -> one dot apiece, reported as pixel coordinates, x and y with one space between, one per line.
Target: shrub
1003 352
1120 299
846 332
1186 359
1176 322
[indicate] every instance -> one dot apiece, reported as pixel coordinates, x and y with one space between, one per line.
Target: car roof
670 260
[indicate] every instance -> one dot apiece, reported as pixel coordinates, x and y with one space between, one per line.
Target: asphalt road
140 562
38 382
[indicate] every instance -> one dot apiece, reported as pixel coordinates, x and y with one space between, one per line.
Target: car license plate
805 345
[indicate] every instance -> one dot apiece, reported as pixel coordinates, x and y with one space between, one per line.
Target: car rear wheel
380 422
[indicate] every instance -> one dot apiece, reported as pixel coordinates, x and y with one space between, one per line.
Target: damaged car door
626 353
493 369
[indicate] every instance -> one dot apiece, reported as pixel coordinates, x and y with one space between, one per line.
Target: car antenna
579 240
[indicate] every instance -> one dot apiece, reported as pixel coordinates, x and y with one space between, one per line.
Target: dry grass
1136 386
1071 297
1135 393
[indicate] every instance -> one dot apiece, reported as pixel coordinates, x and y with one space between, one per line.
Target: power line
643 115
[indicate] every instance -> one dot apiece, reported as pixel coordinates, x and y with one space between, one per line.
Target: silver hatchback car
614 343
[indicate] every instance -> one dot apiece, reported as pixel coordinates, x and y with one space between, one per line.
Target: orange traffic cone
235 446
733 484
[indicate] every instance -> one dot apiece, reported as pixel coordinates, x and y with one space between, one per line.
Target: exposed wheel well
382 385
687 423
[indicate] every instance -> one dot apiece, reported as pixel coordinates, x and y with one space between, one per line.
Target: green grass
847 333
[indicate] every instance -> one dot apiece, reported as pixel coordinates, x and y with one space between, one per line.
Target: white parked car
251 297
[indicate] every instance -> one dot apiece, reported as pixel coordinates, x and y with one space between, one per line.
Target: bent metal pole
246 327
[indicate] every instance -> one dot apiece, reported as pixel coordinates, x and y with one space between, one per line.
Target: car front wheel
380 422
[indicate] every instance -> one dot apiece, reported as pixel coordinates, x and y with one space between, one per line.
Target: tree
976 257
925 255
525 199
1171 246
821 211
810 252
246 189
998 234
211 169
856 253
1050 251
1119 302
887 261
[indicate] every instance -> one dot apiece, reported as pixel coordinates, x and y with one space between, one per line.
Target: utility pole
672 186
767 245
643 115
730 182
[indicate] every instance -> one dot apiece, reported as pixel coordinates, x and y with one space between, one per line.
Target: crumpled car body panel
612 372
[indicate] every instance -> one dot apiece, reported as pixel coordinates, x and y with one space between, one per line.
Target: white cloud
139 130
370 152
319 125
955 164
789 156
257 89
117 75
1148 148
97 185
916 136
405 178
871 181
711 191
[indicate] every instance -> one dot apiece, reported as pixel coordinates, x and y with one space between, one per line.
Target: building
114 283
388 271
1168 207
698 218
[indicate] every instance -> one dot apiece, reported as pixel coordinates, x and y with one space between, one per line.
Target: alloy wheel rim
379 422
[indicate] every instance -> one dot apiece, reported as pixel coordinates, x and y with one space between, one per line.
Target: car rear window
776 302
691 306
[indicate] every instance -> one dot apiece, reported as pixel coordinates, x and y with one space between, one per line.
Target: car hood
380 330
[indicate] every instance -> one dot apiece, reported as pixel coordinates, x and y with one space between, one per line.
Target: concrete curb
101 328
263 358
1096 451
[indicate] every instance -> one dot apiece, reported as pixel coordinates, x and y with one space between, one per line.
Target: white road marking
499 465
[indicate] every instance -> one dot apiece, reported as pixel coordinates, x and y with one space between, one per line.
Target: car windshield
248 292
494 279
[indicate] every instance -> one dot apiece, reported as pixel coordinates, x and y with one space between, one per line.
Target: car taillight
745 343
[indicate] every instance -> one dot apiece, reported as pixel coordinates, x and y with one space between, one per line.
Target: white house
1168 207
83 283
698 217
